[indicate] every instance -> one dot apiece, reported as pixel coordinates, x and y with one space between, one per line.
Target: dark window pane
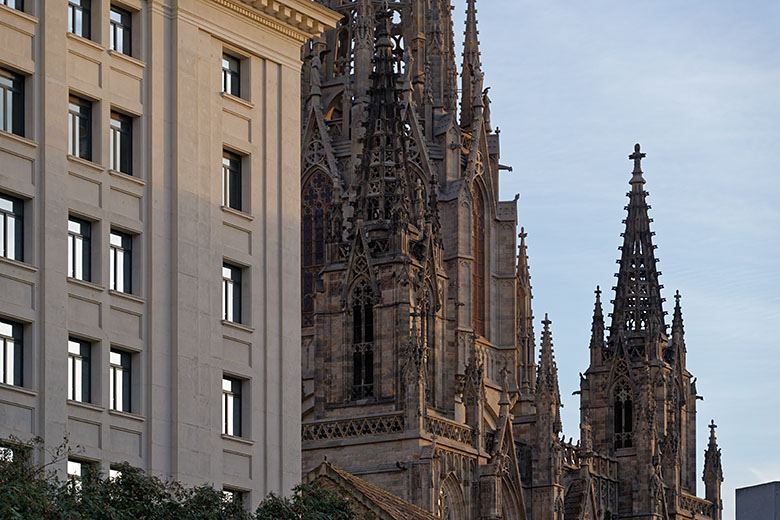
121 153
121 34
231 78
11 102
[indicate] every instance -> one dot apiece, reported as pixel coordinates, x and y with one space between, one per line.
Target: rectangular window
80 128
121 35
14 4
7 454
234 496
11 228
12 102
11 352
231 406
79 249
79 370
231 293
77 470
231 75
79 19
121 262
121 143
119 386
231 180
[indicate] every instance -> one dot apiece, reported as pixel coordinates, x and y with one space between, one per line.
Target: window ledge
20 264
85 41
19 389
238 213
127 296
127 415
89 285
127 177
239 326
22 14
130 59
236 99
241 440
86 162
19 138
85 405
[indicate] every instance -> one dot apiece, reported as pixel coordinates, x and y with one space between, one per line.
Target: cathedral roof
382 503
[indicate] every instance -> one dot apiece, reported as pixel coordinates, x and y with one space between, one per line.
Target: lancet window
362 342
478 252
427 338
623 416
316 199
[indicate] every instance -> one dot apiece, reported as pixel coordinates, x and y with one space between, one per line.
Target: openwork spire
547 372
637 313
471 72
383 187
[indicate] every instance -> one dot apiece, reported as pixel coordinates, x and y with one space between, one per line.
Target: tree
34 492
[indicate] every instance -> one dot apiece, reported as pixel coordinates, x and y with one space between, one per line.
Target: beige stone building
149 265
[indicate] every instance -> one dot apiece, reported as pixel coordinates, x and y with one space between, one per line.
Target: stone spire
364 48
525 320
597 330
382 186
713 473
547 391
637 313
471 72
677 346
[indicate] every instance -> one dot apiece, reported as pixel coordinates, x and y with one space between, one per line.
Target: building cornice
298 19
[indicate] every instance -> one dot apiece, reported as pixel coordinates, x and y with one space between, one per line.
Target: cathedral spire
637 313
471 72
713 473
547 390
597 330
525 319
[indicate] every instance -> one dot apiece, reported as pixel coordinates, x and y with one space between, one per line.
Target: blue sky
697 83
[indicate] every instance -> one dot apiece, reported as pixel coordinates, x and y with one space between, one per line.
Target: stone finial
637 157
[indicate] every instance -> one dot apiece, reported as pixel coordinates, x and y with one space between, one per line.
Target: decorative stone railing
696 505
449 430
352 428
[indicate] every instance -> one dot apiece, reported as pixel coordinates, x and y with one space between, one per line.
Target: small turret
677 345
713 474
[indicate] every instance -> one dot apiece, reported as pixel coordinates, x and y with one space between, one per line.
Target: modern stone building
420 369
149 271
760 502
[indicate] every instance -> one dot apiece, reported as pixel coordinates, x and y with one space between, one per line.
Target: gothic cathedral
419 354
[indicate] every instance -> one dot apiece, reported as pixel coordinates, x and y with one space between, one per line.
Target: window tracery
478 252
623 415
316 199
362 341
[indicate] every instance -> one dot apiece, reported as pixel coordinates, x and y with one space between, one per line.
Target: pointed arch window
624 420
478 252
427 338
362 342
315 200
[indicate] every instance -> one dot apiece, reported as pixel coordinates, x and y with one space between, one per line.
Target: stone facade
419 358
168 320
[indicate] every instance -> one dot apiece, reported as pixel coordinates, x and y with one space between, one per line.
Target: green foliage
32 492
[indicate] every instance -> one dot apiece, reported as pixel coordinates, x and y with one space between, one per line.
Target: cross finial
677 296
637 157
598 293
546 322
522 234
712 427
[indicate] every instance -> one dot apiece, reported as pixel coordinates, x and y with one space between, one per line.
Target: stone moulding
294 18
351 428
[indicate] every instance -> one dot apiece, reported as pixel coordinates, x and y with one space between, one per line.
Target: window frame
13 4
80 127
232 402
16 215
11 352
120 364
232 180
80 16
85 241
121 143
363 384
11 102
232 281
120 252
119 27
79 370
231 79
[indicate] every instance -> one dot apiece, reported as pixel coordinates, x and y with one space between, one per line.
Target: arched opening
478 252
362 341
315 200
452 506
623 411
